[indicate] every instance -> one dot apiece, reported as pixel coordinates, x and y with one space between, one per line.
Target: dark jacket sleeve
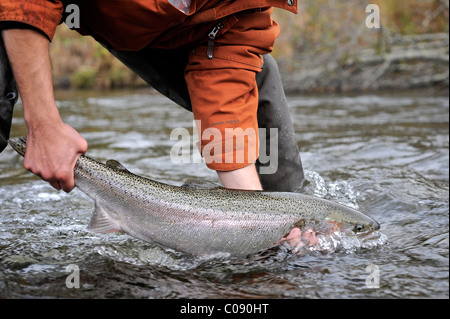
44 15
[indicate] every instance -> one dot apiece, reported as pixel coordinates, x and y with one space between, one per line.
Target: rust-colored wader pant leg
273 112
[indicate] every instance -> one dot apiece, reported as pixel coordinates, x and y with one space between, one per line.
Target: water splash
347 243
332 240
339 191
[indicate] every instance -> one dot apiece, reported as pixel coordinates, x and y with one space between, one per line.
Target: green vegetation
82 63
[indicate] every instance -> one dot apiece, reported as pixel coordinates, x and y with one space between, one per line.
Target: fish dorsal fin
101 222
116 165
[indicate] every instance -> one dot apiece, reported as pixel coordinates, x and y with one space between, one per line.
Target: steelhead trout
199 220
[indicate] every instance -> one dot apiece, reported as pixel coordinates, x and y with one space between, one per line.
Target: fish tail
19 144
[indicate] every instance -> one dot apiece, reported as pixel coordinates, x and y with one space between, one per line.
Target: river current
386 155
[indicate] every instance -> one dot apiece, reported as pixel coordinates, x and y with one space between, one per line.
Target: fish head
8 96
351 220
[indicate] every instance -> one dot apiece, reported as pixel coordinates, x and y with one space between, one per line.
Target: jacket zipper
211 37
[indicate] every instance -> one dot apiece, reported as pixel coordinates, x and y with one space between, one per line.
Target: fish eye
359 228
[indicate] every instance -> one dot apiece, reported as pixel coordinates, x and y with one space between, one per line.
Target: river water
386 155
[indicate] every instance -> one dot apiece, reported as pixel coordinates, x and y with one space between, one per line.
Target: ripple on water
387 156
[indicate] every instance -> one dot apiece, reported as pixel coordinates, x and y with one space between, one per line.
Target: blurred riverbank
327 47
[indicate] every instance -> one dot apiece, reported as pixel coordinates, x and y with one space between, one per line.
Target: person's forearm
244 178
53 147
28 51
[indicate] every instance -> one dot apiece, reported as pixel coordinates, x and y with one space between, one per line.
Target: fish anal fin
101 222
116 165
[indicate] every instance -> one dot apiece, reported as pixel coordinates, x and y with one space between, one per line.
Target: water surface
386 155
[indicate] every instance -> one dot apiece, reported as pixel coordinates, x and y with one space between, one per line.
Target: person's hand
53 147
52 152
297 240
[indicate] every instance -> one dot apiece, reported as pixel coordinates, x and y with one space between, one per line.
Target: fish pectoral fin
116 165
101 222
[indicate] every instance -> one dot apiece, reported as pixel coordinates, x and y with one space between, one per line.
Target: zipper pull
211 37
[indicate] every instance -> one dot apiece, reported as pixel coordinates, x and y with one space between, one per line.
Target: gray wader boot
164 71
8 96
283 171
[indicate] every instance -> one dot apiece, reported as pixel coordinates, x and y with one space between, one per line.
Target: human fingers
309 237
61 178
67 183
294 238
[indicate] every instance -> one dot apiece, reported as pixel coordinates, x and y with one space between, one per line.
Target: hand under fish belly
330 236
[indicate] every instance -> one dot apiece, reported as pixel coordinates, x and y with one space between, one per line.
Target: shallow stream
386 155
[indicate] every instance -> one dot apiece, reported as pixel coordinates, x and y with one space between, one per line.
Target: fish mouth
372 235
